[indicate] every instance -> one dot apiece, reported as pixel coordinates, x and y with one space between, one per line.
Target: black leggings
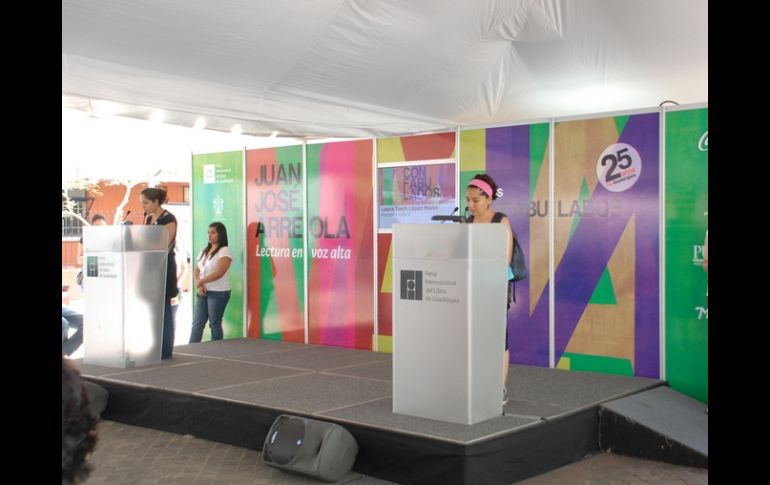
510 297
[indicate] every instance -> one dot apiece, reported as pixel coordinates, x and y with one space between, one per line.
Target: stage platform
231 391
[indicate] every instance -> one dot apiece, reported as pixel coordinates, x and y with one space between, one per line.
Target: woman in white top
212 281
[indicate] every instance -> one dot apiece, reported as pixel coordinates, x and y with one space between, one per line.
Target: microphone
465 214
128 213
450 215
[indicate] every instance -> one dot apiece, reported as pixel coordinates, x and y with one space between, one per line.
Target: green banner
686 225
217 180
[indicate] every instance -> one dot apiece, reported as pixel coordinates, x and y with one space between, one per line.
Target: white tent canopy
375 68
124 149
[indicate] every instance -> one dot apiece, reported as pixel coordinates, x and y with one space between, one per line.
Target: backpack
518 266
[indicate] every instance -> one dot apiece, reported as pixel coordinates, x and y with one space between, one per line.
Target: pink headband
485 187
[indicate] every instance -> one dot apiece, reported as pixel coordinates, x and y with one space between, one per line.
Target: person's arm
197 274
182 272
171 226
507 225
222 266
197 277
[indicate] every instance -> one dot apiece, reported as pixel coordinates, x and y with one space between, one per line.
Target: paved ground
132 455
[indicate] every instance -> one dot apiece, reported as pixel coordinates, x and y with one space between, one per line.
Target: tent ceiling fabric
361 68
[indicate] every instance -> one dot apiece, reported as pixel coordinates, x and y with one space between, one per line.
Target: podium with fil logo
124 291
449 317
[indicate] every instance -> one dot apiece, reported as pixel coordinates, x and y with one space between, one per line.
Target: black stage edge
509 458
228 422
384 454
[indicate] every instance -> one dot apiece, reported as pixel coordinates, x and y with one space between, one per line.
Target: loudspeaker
315 448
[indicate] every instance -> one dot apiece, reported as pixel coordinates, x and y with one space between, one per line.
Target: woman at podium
152 198
479 194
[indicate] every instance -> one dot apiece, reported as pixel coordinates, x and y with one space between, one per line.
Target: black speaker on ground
315 448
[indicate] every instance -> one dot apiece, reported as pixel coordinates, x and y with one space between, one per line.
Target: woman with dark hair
78 426
212 281
479 194
152 198
98 220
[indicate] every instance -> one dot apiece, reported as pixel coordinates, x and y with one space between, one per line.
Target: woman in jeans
212 281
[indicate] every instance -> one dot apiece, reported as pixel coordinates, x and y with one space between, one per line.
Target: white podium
124 269
449 316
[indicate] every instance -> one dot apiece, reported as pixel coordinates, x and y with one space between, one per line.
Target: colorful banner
437 146
385 292
413 194
606 245
217 180
687 199
275 235
341 244
516 157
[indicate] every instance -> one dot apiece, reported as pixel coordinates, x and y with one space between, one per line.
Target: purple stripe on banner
643 135
509 165
584 261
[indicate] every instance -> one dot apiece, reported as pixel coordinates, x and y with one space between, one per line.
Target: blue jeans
167 345
71 318
212 308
